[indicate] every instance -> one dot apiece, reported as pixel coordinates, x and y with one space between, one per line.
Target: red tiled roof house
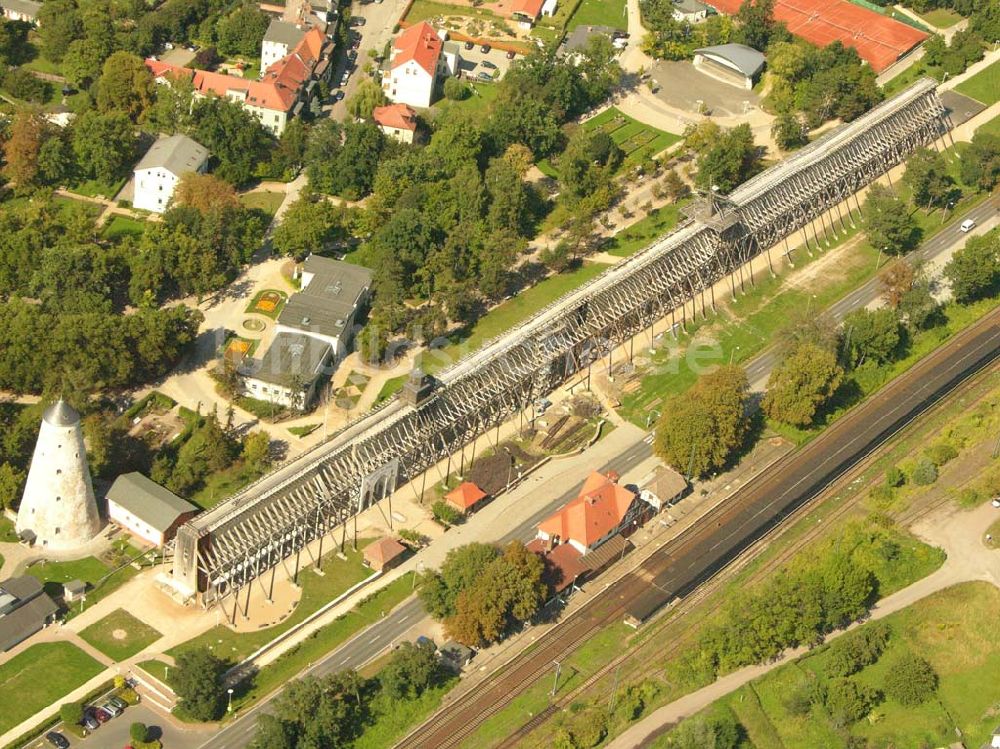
467 497
398 121
384 554
602 510
420 58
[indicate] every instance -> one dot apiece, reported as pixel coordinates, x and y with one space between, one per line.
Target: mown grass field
942 18
984 86
266 201
600 13
90 570
39 677
956 630
119 227
119 635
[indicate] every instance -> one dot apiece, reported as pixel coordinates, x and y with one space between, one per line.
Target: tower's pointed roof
61 414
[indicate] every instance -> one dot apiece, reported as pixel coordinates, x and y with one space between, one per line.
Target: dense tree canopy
974 270
871 335
888 223
197 680
910 680
801 384
699 432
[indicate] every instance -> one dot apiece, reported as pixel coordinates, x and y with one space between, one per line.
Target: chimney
613 477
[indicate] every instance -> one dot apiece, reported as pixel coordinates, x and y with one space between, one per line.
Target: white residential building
398 121
159 171
279 41
420 58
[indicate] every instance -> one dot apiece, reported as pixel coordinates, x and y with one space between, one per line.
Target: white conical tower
58 503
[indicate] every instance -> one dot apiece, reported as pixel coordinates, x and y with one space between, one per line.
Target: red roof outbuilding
530 8
398 116
420 43
465 496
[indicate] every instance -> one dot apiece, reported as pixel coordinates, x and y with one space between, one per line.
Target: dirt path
959 532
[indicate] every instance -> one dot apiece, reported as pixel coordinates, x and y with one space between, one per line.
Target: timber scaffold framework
225 550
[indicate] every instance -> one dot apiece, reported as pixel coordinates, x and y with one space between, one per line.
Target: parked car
337 95
484 76
485 49
111 709
967 225
57 740
90 721
345 78
996 502
118 702
469 45
356 21
352 55
488 64
102 715
511 54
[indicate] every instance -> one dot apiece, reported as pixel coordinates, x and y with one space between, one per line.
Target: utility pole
614 691
555 681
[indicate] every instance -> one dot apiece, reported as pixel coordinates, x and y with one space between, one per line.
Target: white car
967 225
996 502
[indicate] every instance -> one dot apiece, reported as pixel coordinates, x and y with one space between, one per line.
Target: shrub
589 728
71 713
924 473
940 453
854 651
882 495
910 680
849 701
894 477
445 513
804 695
455 90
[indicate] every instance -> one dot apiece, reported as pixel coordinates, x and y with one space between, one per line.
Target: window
57 531
58 471
58 499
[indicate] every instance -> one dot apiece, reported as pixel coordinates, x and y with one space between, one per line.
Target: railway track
682 567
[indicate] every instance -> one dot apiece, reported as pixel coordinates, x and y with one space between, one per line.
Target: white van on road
967 225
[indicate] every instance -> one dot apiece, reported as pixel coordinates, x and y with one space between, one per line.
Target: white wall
153 189
406 136
410 84
135 526
270 53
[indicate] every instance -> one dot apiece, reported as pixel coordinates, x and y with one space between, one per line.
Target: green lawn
39 677
635 138
7 532
119 635
992 127
123 226
942 18
956 630
481 96
266 201
509 315
91 570
643 232
984 86
317 590
600 13
304 430
390 388
156 668
421 10
93 188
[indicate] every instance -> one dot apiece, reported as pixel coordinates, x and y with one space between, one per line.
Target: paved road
759 367
371 642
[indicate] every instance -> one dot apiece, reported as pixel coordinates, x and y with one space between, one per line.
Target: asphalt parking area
682 86
473 59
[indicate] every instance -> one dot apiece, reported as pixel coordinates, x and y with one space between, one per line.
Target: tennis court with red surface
879 40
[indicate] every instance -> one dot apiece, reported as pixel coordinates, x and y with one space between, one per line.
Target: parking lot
115 733
473 62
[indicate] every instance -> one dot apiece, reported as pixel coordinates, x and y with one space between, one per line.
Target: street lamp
230 708
510 467
809 303
878 260
732 353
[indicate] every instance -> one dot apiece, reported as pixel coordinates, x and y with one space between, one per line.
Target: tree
927 176
788 131
233 135
14 46
307 226
445 514
11 480
910 680
980 166
139 733
204 192
888 223
461 568
242 31
698 432
257 450
853 651
126 85
410 670
20 83
365 98
755 25
71 713
59 24
83 60
895 280
871 335
22 147
197 681
728 161
718 732
974 270
801 384
104 144
455 89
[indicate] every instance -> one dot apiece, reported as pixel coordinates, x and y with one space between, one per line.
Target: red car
102 715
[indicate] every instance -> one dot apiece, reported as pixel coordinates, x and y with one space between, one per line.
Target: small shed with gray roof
146 509
737 64
25 608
